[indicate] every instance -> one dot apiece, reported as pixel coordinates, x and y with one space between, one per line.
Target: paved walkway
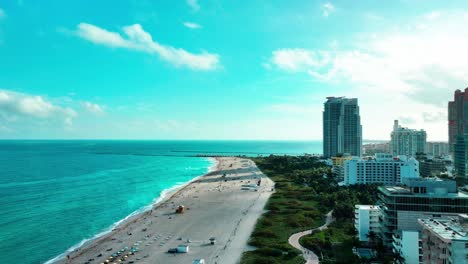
309 256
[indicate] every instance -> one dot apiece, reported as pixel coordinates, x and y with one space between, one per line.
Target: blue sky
212 69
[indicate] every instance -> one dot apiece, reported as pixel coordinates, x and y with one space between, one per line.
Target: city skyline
215 70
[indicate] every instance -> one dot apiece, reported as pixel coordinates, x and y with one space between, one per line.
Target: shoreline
165 195
216 205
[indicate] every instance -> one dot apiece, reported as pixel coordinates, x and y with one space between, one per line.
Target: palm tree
371 236
398 258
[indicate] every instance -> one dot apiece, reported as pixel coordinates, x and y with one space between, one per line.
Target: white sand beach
215 206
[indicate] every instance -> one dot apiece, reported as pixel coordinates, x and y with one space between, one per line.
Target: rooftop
406 191
366 207
446 228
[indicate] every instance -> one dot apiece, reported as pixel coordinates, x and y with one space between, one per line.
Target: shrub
264 233
266 260
273 252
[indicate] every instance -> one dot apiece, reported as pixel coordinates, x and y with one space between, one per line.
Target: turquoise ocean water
56 194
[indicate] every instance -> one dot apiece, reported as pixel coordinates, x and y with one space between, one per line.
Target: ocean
54 195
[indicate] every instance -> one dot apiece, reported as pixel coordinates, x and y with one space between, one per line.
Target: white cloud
14 106
138 39
2 13
409 72
192 25
93 108
194 5
327 9
298 59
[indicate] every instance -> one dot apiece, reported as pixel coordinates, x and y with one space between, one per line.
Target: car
172 250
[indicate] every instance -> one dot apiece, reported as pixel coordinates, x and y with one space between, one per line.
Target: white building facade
406 244
366 220
383 168
406 141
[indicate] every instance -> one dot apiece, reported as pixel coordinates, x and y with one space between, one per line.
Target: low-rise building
366 221
383 168
437 149
433 167
445 240
338 165
370 149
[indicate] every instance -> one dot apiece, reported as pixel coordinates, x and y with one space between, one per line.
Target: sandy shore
216 207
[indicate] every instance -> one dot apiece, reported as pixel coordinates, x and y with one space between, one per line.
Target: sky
213 69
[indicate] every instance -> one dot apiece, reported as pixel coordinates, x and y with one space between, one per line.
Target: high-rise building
458 132
408 142
342 130
457 116
383 168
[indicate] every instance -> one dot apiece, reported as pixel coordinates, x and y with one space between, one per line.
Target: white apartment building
437 149
383 168
366 220
406 244
445 241
406 141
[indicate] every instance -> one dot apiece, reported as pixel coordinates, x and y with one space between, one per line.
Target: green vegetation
305 191
335 243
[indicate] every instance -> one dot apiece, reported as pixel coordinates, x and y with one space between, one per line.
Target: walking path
308 255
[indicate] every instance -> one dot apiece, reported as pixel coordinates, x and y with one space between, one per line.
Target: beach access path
216 205
309 256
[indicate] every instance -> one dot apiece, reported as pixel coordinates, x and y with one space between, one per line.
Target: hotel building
383 168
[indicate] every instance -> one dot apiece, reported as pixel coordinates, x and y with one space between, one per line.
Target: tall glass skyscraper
342 130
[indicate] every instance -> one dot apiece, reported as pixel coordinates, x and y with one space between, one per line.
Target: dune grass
292 208
305 191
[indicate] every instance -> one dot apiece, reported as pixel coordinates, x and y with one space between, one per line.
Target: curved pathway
308 255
